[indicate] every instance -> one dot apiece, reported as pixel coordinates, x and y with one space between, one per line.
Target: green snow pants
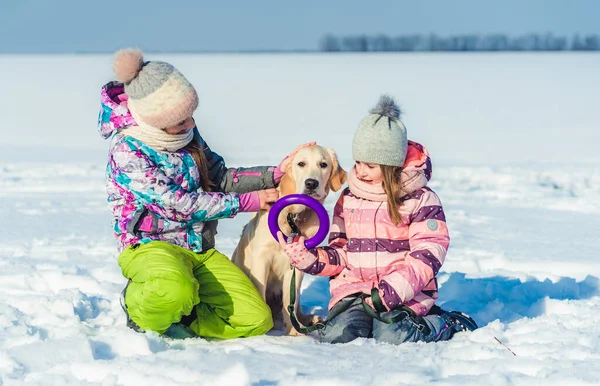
167 281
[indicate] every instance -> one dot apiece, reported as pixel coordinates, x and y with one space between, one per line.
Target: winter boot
460 321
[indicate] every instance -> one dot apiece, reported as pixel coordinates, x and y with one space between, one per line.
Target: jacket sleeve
329 260
429 241
238 180
140 178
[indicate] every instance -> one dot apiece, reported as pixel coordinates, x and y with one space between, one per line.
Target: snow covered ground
514 139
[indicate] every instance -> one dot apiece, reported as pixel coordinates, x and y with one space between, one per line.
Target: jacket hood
114 113
416 172
417 168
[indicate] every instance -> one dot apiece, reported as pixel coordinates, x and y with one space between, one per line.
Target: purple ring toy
301 199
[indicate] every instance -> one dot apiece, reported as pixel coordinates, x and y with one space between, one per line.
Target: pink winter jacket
366 250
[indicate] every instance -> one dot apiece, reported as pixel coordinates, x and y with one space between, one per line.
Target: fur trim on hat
127 64
387 107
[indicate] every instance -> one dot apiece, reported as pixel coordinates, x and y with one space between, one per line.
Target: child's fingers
309 144
281 239
288 159
301 240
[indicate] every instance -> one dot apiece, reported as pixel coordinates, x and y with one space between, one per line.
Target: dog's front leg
257 270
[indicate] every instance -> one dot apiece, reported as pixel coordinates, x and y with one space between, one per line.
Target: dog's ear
287 185
338 175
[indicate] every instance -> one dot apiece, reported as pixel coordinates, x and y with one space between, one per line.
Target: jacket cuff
389 297
377 297
277 174
310 262
249 202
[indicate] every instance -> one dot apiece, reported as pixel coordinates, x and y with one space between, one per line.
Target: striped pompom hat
159 95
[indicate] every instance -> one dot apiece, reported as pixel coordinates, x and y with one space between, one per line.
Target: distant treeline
493 42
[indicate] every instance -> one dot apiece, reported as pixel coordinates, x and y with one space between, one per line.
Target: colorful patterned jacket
156 195
366 250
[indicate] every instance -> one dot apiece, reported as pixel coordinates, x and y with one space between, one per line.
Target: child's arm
242 180
322 261
238 180
429 240
137 175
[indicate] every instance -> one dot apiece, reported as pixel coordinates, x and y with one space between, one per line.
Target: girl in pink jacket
388 241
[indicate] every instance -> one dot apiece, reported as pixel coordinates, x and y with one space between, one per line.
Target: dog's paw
309 319
288 329
305 320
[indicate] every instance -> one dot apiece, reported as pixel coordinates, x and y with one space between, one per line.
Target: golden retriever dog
314 171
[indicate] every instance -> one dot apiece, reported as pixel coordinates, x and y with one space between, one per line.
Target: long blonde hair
197 153
393 190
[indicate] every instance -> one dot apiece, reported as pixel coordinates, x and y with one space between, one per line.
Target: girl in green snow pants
168 282
166 190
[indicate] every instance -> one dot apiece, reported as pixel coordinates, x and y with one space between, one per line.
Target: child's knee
345 330
156 260
396 333
156 304
261 321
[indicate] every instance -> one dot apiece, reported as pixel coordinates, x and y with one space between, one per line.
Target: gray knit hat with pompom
381 136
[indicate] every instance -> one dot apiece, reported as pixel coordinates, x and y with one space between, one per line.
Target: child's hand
288 159
267 197
295 249
369 302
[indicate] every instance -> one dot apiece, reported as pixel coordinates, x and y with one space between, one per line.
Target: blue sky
197 25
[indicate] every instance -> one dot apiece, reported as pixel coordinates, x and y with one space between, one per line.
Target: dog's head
314 171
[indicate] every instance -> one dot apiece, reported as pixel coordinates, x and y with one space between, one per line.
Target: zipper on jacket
236 175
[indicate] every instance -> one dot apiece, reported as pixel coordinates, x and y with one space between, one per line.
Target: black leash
405 312
292 224
290 308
